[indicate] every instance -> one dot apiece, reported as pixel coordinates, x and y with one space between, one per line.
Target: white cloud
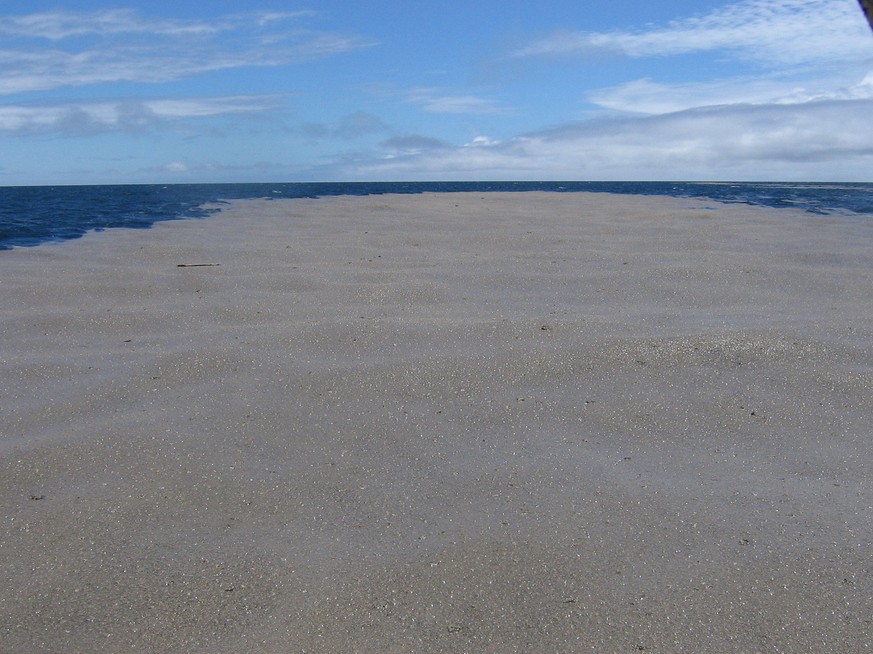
119 46
647 96
807 112
202 107
728 142
268 17
92 117
176 167
768 32
437 101
481 142
59 25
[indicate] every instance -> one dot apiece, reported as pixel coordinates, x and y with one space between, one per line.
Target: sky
274 91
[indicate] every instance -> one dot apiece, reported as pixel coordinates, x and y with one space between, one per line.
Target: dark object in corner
867 6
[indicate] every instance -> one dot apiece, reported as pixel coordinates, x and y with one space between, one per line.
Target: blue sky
162 92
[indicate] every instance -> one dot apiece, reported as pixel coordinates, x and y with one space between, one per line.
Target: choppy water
30 215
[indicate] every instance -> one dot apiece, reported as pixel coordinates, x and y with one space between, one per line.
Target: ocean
32 215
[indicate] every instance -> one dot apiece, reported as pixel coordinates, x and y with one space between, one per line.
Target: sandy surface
441 423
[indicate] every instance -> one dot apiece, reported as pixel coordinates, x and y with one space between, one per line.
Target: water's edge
33 215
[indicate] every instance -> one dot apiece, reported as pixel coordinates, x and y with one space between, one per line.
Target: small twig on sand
195 265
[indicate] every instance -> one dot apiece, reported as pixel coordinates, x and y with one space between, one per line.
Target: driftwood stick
195 265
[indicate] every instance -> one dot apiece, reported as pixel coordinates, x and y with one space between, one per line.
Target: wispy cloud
412 145
804 100
647 96
768 32
728 142
85 118
439 101
176 167
122 46
60 25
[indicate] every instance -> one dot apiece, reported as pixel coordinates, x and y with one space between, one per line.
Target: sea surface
31 215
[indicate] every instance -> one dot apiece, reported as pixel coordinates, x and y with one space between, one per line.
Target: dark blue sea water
30 215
